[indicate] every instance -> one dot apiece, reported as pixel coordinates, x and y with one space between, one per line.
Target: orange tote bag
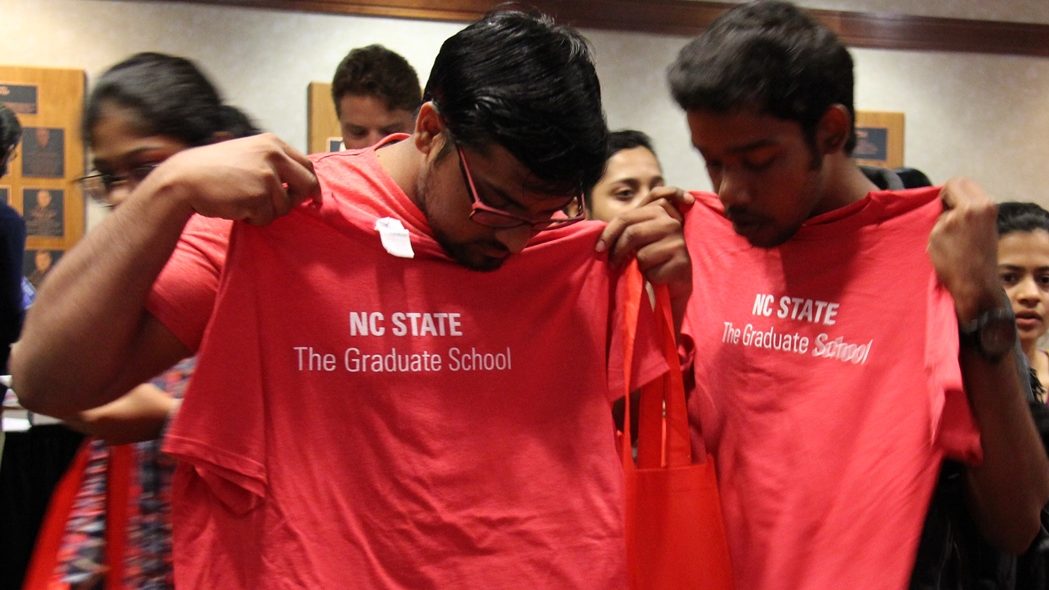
674 529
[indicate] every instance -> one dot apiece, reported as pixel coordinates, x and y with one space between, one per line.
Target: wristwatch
992 334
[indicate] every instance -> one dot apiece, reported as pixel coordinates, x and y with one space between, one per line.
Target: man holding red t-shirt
826 317
405 368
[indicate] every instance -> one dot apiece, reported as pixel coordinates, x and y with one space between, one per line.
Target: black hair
522 82
167 95
770 57
376 71
626 139
912 177
1021 217
883 178
10 134
237 123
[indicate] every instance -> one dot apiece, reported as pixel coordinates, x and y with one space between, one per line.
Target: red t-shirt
363 420
184 293
828 390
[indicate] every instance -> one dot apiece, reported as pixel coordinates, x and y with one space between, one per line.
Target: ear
833 130
429 129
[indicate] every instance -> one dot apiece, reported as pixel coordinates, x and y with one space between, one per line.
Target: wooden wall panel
321 122
879 139
49 158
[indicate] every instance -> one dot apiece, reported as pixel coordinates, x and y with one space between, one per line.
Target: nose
1027 291
732 190
514 238
374 136
640 197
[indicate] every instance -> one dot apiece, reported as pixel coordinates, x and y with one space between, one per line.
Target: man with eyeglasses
368 409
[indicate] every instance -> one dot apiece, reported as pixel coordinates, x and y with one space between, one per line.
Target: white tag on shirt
394 237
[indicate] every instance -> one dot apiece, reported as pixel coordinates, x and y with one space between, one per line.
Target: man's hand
653 232
963 247
1008 490
88 337
254 179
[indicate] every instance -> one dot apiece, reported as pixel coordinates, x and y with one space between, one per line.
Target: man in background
376 93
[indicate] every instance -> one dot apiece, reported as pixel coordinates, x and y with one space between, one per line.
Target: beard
761 231
471 253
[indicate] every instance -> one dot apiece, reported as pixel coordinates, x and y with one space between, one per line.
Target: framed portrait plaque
20 98
43 152
42 211
38 262
41 181
321 121
879 139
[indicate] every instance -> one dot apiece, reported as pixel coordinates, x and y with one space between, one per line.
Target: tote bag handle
675 533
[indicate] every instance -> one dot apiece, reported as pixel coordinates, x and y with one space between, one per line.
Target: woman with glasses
141 112
144 110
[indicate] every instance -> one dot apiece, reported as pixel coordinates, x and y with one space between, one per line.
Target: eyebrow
1019 267
500 192
506 197
484 187
761 143
636 180
128 155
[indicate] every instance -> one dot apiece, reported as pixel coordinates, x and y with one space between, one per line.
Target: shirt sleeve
184 293
219 429
953 427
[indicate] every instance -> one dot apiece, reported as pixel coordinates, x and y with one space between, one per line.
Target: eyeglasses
485 215
99 185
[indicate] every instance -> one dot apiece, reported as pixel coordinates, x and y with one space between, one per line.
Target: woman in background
141 112
1023 265
631 172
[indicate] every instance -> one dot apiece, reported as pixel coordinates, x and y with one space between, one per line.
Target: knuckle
629 234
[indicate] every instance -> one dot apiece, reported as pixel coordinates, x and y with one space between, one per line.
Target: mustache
742 215
493 245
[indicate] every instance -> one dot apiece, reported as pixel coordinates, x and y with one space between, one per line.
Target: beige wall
981 115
